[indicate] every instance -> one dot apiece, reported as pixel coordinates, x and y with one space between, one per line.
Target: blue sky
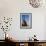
25 17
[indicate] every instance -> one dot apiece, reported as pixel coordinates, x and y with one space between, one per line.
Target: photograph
26 20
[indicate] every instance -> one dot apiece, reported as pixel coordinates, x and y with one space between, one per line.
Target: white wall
45 28
13 8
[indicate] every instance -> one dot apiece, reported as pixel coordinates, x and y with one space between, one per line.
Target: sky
25 17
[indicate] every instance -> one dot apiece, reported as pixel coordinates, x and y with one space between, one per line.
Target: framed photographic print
26 20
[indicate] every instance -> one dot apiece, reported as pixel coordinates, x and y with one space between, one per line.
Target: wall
45 28
13 8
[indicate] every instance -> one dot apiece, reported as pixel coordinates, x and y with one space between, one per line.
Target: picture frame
26 20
